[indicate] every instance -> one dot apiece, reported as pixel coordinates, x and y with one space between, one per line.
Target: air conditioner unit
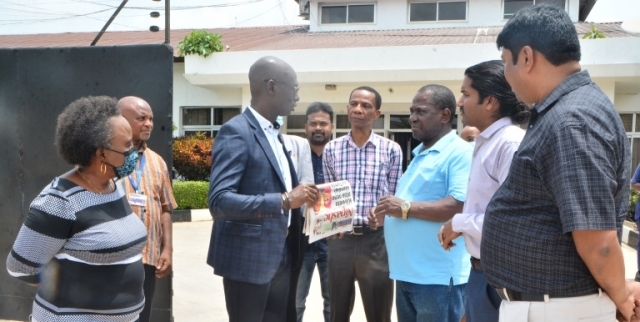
304 8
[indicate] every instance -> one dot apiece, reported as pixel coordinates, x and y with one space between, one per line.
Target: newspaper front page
332 213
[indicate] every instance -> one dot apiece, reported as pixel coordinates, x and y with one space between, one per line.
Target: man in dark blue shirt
319 129
550 241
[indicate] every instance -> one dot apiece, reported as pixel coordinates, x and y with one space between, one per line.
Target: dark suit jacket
249 230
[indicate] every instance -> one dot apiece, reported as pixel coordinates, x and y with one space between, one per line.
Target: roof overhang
615 58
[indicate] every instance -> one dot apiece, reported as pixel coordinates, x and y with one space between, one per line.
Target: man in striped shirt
372 165
150 195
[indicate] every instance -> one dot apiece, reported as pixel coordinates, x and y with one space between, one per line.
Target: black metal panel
35 86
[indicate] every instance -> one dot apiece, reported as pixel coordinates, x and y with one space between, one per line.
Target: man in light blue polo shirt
430 282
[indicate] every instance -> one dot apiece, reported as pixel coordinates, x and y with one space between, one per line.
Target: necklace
89 182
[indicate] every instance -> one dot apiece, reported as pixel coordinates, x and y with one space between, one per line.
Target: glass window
296 121
423 12
438 10
627 120
206 119
512 6
452 10
361 14
399 122
196 116
334 14
222 115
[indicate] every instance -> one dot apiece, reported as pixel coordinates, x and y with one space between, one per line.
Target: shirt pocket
429 183
375 177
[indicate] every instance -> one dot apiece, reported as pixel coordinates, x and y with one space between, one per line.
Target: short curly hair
83 127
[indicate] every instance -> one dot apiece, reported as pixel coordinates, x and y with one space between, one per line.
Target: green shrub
191 194
192 156
200 42
633 200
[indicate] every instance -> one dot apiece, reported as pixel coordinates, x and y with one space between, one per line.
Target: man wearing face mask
150 195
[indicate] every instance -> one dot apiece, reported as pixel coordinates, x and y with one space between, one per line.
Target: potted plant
200 42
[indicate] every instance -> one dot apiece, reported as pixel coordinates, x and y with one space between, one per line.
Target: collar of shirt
142 147
265 124
491 130
373 139
568 85
442 144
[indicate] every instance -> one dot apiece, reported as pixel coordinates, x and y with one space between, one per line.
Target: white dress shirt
492 157
272 136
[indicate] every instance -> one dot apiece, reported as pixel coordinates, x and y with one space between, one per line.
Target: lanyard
136 185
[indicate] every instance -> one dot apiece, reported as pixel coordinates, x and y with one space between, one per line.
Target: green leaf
200 42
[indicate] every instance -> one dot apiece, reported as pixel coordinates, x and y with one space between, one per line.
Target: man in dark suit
254 198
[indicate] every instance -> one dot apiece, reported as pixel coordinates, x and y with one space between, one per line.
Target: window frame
323 5
437 2
211 129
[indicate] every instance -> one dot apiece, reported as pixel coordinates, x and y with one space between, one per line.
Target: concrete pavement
198 294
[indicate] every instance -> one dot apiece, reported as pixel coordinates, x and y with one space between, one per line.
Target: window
512 6
347 14
438 11
631 122
206 119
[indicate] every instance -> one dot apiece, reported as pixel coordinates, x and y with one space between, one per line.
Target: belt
363 230
510 295
475 263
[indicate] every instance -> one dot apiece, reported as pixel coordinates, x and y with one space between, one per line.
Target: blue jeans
483 301
426 303
313 256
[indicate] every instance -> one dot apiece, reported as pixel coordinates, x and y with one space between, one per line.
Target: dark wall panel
35 86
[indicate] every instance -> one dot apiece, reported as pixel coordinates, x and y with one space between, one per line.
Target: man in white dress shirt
488 104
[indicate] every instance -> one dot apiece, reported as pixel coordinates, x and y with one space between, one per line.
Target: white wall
187 94
628 103
394 14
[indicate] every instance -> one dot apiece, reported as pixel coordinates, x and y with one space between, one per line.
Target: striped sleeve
41 237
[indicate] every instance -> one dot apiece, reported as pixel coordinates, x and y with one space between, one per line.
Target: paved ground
198 294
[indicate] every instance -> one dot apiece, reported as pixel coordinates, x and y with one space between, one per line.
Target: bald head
273 85
469 133
140 116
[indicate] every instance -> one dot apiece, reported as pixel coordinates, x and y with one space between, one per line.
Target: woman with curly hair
81 242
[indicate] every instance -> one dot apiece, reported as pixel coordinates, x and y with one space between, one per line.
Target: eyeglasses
126 154
295 88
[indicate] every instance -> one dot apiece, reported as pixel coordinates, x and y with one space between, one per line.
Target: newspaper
332 213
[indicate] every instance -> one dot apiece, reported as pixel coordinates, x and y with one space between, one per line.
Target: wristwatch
405 209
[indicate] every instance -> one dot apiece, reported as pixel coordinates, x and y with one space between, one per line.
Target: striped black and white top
84 251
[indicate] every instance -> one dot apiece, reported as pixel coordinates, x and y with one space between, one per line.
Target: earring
103 168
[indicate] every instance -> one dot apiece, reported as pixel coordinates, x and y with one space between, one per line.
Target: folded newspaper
332 213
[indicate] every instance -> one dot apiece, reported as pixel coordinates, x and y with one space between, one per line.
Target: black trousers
149 288
363 259
248 302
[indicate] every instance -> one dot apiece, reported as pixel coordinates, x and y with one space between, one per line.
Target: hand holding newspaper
332 213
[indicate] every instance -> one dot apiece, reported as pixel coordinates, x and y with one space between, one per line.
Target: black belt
475 263
511 296
364 230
